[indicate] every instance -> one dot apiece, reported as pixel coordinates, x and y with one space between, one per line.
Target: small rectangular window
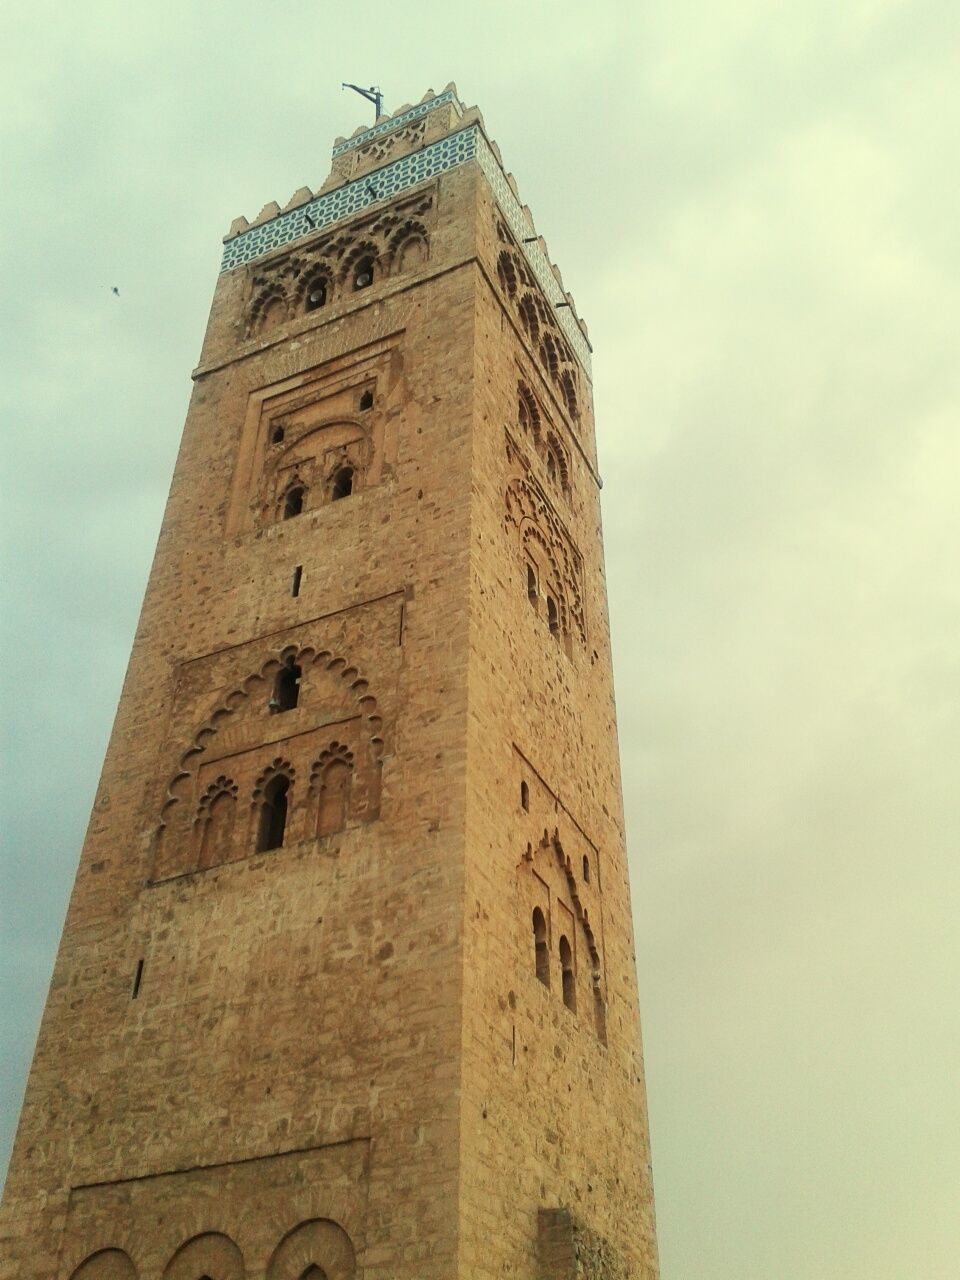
295 584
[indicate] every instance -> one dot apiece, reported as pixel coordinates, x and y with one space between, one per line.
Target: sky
756 207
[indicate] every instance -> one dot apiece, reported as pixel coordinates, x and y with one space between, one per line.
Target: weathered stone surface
376 621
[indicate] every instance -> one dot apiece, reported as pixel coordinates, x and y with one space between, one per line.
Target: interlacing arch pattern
546 441
582 914
258 686
381 148
528 412
281 290
538 321
529 513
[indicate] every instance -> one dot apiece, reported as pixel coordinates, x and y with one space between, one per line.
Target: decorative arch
549 354
553 847
528 411
258 685
320 1243
361 250
331 778
268 309
271 802
530 514
507 273
216 814
209 1254
529 317
409 236
568 391
277 766
316 280
555 446
106 1264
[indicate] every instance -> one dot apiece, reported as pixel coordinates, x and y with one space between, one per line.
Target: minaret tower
346 987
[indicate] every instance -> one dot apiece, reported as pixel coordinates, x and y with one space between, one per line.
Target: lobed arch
356 254
528 411
568 391
529 317
278 767
410 232
258 685
528 511
553 844
272 297
507 273
549 354
315 277
553 585
557 448
216 813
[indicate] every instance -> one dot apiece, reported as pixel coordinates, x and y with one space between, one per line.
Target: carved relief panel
559 893
276 743
550 561
318 438
329 270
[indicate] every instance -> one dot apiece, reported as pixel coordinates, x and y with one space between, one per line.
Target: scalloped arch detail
260 682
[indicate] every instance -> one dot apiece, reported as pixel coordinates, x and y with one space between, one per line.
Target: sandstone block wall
376 617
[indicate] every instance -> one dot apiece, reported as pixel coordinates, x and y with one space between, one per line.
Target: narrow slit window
586 869
137 981
295 582
524 796
533 591
273 814
569 975
540 948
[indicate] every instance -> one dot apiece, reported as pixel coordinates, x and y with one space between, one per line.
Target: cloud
756 206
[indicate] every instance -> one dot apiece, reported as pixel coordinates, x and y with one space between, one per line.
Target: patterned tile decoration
388 181
395 122
393 179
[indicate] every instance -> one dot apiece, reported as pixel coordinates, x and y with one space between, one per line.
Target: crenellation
346 985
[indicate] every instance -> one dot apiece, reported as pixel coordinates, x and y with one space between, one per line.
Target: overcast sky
756 207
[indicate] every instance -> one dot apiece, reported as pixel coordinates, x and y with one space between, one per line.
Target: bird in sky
115 290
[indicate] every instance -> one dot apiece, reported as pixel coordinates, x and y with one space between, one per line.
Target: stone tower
346 986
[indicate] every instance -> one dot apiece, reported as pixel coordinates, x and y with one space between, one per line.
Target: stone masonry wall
402 1043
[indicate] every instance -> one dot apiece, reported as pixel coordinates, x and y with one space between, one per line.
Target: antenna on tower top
374 94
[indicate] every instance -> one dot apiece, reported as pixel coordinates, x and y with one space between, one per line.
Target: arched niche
210 1254
106 1264
319 1243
